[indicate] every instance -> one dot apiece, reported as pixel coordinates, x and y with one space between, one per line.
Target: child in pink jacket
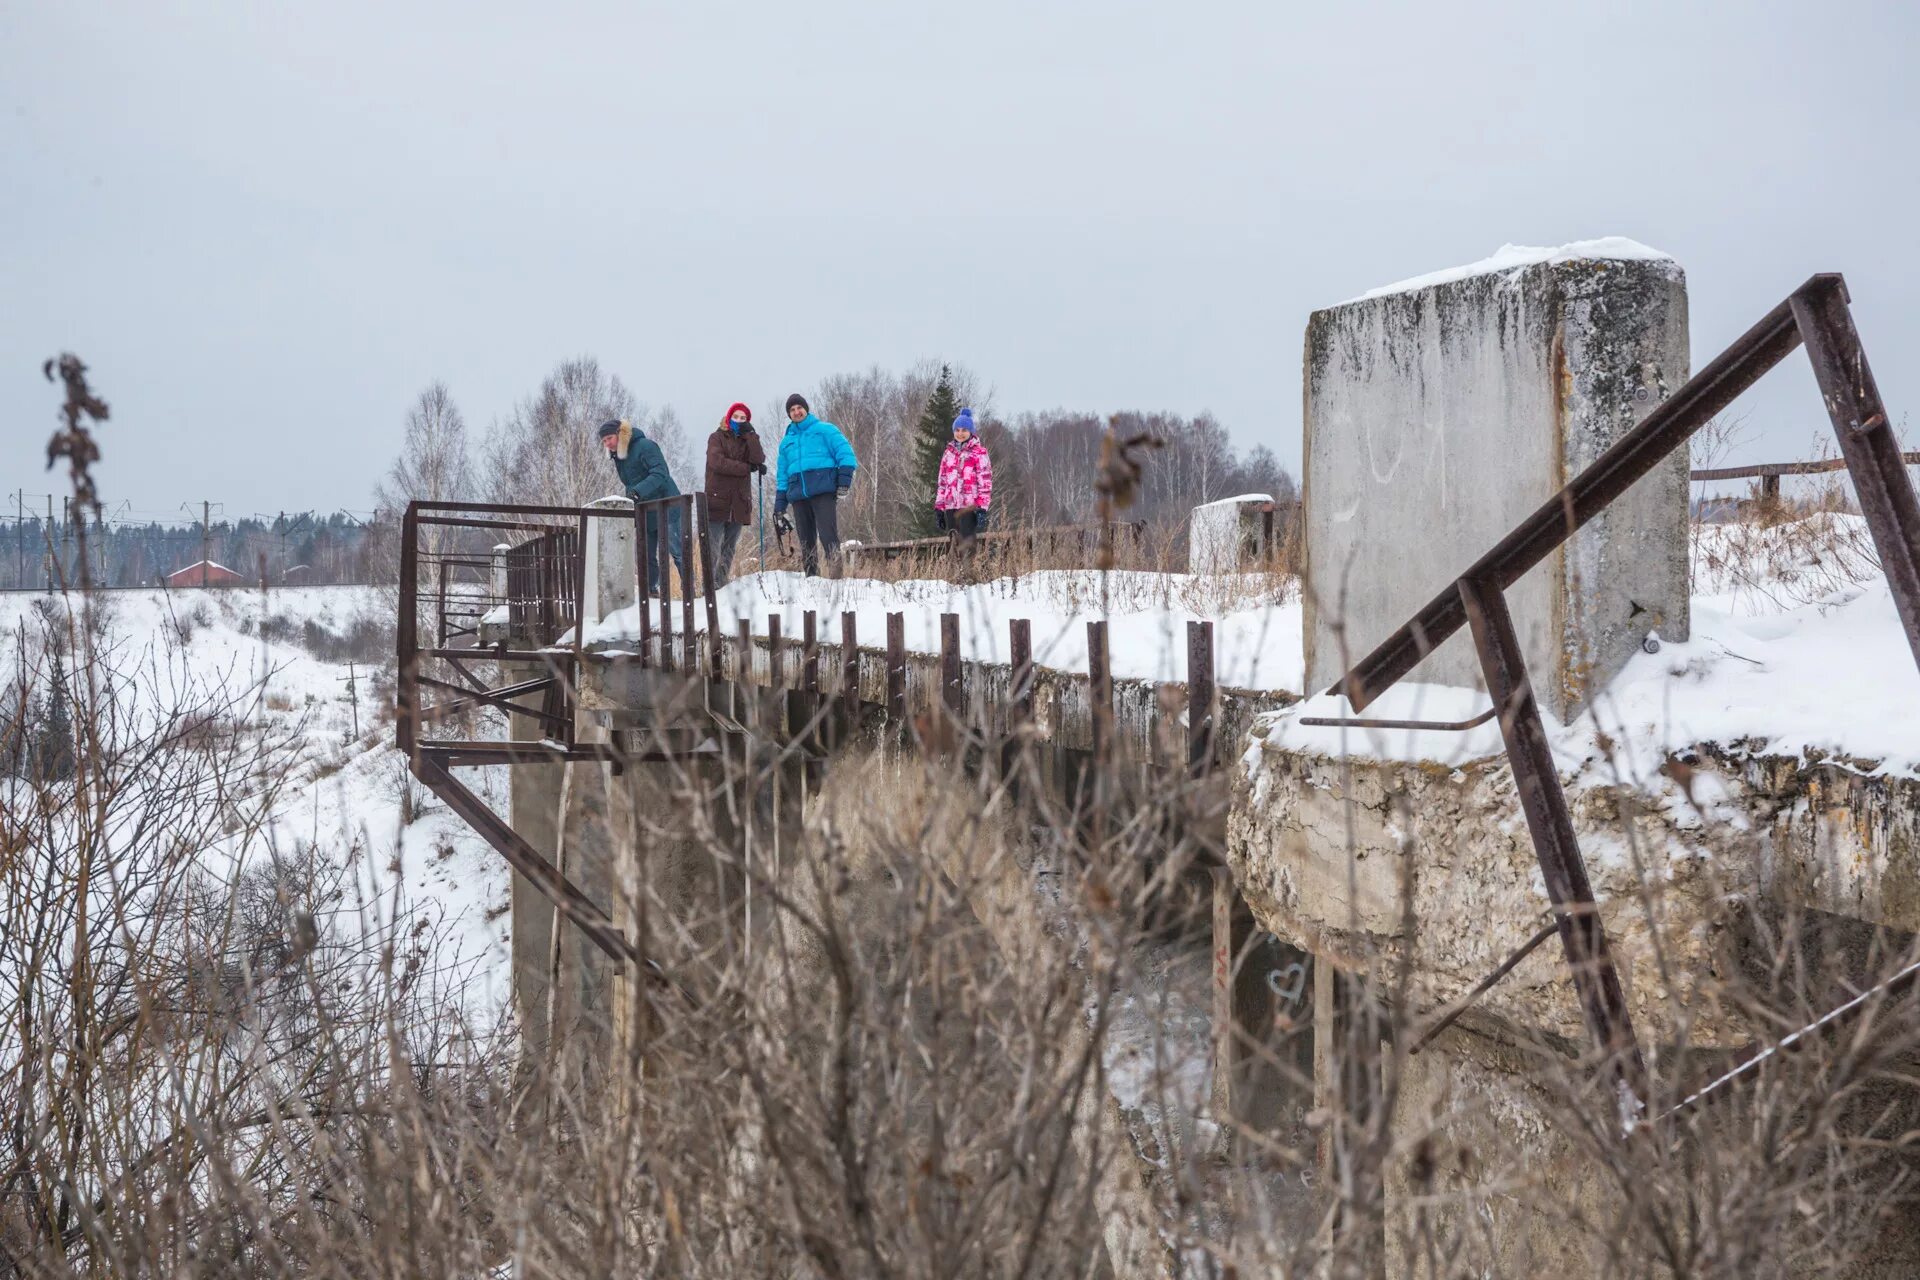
965 490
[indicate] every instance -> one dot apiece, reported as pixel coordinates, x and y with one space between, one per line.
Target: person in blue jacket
816 466
644 474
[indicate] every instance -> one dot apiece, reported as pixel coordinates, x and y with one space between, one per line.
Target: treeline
1045 464
300 548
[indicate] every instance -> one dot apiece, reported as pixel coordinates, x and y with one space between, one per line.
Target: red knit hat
742 408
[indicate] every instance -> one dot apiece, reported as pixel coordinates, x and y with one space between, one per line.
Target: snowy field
340 792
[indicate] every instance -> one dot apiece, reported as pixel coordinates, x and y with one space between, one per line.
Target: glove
782 525
980 520
939 519
760 470
842 490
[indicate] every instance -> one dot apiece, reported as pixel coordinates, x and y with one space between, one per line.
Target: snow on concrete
1214 533
1256 625
1518 257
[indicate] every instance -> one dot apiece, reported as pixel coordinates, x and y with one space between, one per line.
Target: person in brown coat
734 456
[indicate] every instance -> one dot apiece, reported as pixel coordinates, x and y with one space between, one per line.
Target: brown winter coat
731 458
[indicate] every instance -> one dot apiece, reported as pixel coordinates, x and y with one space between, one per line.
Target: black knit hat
797 399
609 429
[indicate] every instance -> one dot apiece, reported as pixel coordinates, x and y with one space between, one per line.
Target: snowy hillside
293 664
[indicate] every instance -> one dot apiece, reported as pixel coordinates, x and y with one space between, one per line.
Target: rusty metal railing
1769 473
545 595
1068 541
1816 316
543 587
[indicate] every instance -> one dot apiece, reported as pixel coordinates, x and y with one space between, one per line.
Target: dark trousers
963 524
814 518
726 537
676 548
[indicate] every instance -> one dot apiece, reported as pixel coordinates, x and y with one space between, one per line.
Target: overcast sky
266 227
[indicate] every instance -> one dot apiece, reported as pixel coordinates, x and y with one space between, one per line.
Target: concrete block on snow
1441 412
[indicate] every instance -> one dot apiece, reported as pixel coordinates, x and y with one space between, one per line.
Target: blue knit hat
965 422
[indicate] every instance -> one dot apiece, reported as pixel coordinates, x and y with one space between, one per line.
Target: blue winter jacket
814 459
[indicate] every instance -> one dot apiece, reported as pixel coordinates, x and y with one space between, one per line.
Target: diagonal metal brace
1581 934
1875 463
567 897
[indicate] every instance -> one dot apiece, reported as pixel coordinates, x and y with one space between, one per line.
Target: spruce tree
53 749
930 439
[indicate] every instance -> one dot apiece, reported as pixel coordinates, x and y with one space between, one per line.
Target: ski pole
760 484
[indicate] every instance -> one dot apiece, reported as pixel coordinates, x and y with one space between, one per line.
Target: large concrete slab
1440 414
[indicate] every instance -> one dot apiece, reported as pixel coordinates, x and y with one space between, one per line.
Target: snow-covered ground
1795 650
1256 624
342 792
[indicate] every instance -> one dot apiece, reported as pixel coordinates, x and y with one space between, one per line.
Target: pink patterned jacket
966 478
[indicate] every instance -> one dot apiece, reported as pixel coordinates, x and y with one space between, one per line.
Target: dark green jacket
644 470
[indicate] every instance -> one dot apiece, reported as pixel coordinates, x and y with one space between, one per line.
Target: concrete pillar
579 974
534 812
611 582
1233 535
1441 413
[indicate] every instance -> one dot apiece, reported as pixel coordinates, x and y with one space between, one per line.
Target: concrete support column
534 813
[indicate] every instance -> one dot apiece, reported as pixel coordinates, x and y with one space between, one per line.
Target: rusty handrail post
686 581
706 586
952 694
743 674
1200 699
578 583
665 539
642 558
897 670
809 653
406 638
810 673
1020 654
1020 695
776 677
1099 694
442 627
849 675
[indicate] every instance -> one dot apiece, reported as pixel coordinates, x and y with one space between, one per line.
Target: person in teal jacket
816 466
643 472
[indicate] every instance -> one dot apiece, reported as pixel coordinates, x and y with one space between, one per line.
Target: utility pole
353 696
20 534
49 544
206 542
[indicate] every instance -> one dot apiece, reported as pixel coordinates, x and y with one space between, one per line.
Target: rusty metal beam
567 897
1774 470
1481 988
406 637
1867 441
499 698
1199 698
1545 806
